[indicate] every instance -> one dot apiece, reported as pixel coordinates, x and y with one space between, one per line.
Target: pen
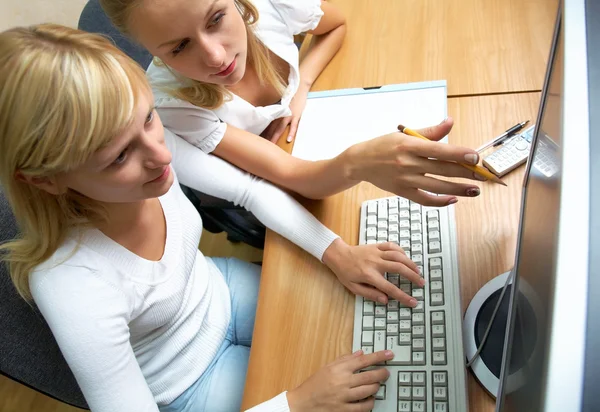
475 169
498 140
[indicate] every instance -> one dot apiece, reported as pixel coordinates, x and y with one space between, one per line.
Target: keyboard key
436 286
415 227
404 339
404 392
435 247
418 344
405 235
371 232
380 392
367 349
402 354
380 311
393 203
439 379
367 338
393 217
404 406
416 249
382 214
440 407
393 304
434 235
418 358
439 343
403 203
417 259
368 307
379 343
437 299
393 229
420 307
368 323
418 406
418 318
371 221
404 378
440 394
404 214
380 324
435 274
439 358
415 217
418 393
432 215
438 331
416 238
415 207
392 329
433 225
372 209
404 326
435 263
405 245
418 378
371 242
418 331
404 225
418 293
405 313
382 225
437 318
392 317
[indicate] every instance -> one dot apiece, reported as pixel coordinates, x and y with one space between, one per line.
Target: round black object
523 346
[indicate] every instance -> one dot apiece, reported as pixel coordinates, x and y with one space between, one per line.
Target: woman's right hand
337 386
405 165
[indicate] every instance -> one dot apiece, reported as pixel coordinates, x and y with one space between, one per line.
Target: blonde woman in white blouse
227 72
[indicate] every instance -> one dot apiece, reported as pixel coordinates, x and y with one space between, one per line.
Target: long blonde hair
206 95
64 94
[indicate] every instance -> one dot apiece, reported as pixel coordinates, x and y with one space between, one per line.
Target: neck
125 216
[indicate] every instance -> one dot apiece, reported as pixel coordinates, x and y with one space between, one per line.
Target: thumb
439 131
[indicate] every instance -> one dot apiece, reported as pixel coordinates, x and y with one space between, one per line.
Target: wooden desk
478 46
305 316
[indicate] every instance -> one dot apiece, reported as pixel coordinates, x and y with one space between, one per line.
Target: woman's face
134 166
204 40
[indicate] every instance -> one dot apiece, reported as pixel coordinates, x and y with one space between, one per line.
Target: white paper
329 125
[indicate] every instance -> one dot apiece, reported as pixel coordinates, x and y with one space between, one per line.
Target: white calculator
513 153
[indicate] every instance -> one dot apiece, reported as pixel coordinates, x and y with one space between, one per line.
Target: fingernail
289 139
389 354
452 201
472 158
413 302
444 121
421 282
358 352
474 191
479 177
382 299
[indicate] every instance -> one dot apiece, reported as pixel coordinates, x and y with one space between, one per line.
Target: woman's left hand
277 127
361 269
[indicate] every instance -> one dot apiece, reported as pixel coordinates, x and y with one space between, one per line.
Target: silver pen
498 140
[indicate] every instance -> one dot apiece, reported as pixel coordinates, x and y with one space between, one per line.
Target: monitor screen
522 381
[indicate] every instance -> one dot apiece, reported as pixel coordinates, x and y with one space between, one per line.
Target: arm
329 36
88 320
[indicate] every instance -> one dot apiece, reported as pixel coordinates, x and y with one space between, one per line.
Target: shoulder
297 15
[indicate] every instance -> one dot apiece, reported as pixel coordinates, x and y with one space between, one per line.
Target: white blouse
279 21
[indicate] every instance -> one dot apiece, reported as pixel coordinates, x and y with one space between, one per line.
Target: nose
157 154
212 52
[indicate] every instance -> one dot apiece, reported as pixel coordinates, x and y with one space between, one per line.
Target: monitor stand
486 368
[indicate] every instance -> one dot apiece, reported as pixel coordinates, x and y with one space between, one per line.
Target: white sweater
138 333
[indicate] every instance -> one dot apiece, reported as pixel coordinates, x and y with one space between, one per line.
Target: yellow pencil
481 171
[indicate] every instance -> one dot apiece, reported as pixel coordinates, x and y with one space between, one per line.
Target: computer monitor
552 344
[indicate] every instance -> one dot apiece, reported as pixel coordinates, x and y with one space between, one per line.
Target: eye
150 117
180 47
217 19
121 158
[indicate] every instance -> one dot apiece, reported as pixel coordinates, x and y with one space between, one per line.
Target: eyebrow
105 163
175 41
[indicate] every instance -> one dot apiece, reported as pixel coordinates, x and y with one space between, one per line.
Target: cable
489 326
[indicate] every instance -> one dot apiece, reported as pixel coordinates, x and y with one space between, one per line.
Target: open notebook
335 120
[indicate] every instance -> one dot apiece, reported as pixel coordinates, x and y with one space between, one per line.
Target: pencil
481 171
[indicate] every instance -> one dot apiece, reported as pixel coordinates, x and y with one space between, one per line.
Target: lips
228 70
163 175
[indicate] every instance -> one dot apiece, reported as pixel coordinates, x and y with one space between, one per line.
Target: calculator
513 153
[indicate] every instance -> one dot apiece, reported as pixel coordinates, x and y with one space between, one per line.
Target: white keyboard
427 373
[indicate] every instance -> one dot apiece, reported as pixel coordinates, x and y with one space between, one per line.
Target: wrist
349 163
335 254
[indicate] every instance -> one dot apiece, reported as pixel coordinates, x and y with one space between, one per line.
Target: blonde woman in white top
227 71
108 245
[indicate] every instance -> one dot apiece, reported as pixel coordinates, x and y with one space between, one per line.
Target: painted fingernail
413 302
382 299
472 158
474 191
389 354
479 177
452 201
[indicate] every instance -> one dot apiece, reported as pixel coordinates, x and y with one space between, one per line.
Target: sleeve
200 127
299 15
277 404
273 207
88 319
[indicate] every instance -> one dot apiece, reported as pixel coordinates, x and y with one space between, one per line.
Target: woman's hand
405 165
361 269
336 387
277 126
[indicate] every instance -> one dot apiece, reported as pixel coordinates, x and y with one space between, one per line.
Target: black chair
218 215
28 352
